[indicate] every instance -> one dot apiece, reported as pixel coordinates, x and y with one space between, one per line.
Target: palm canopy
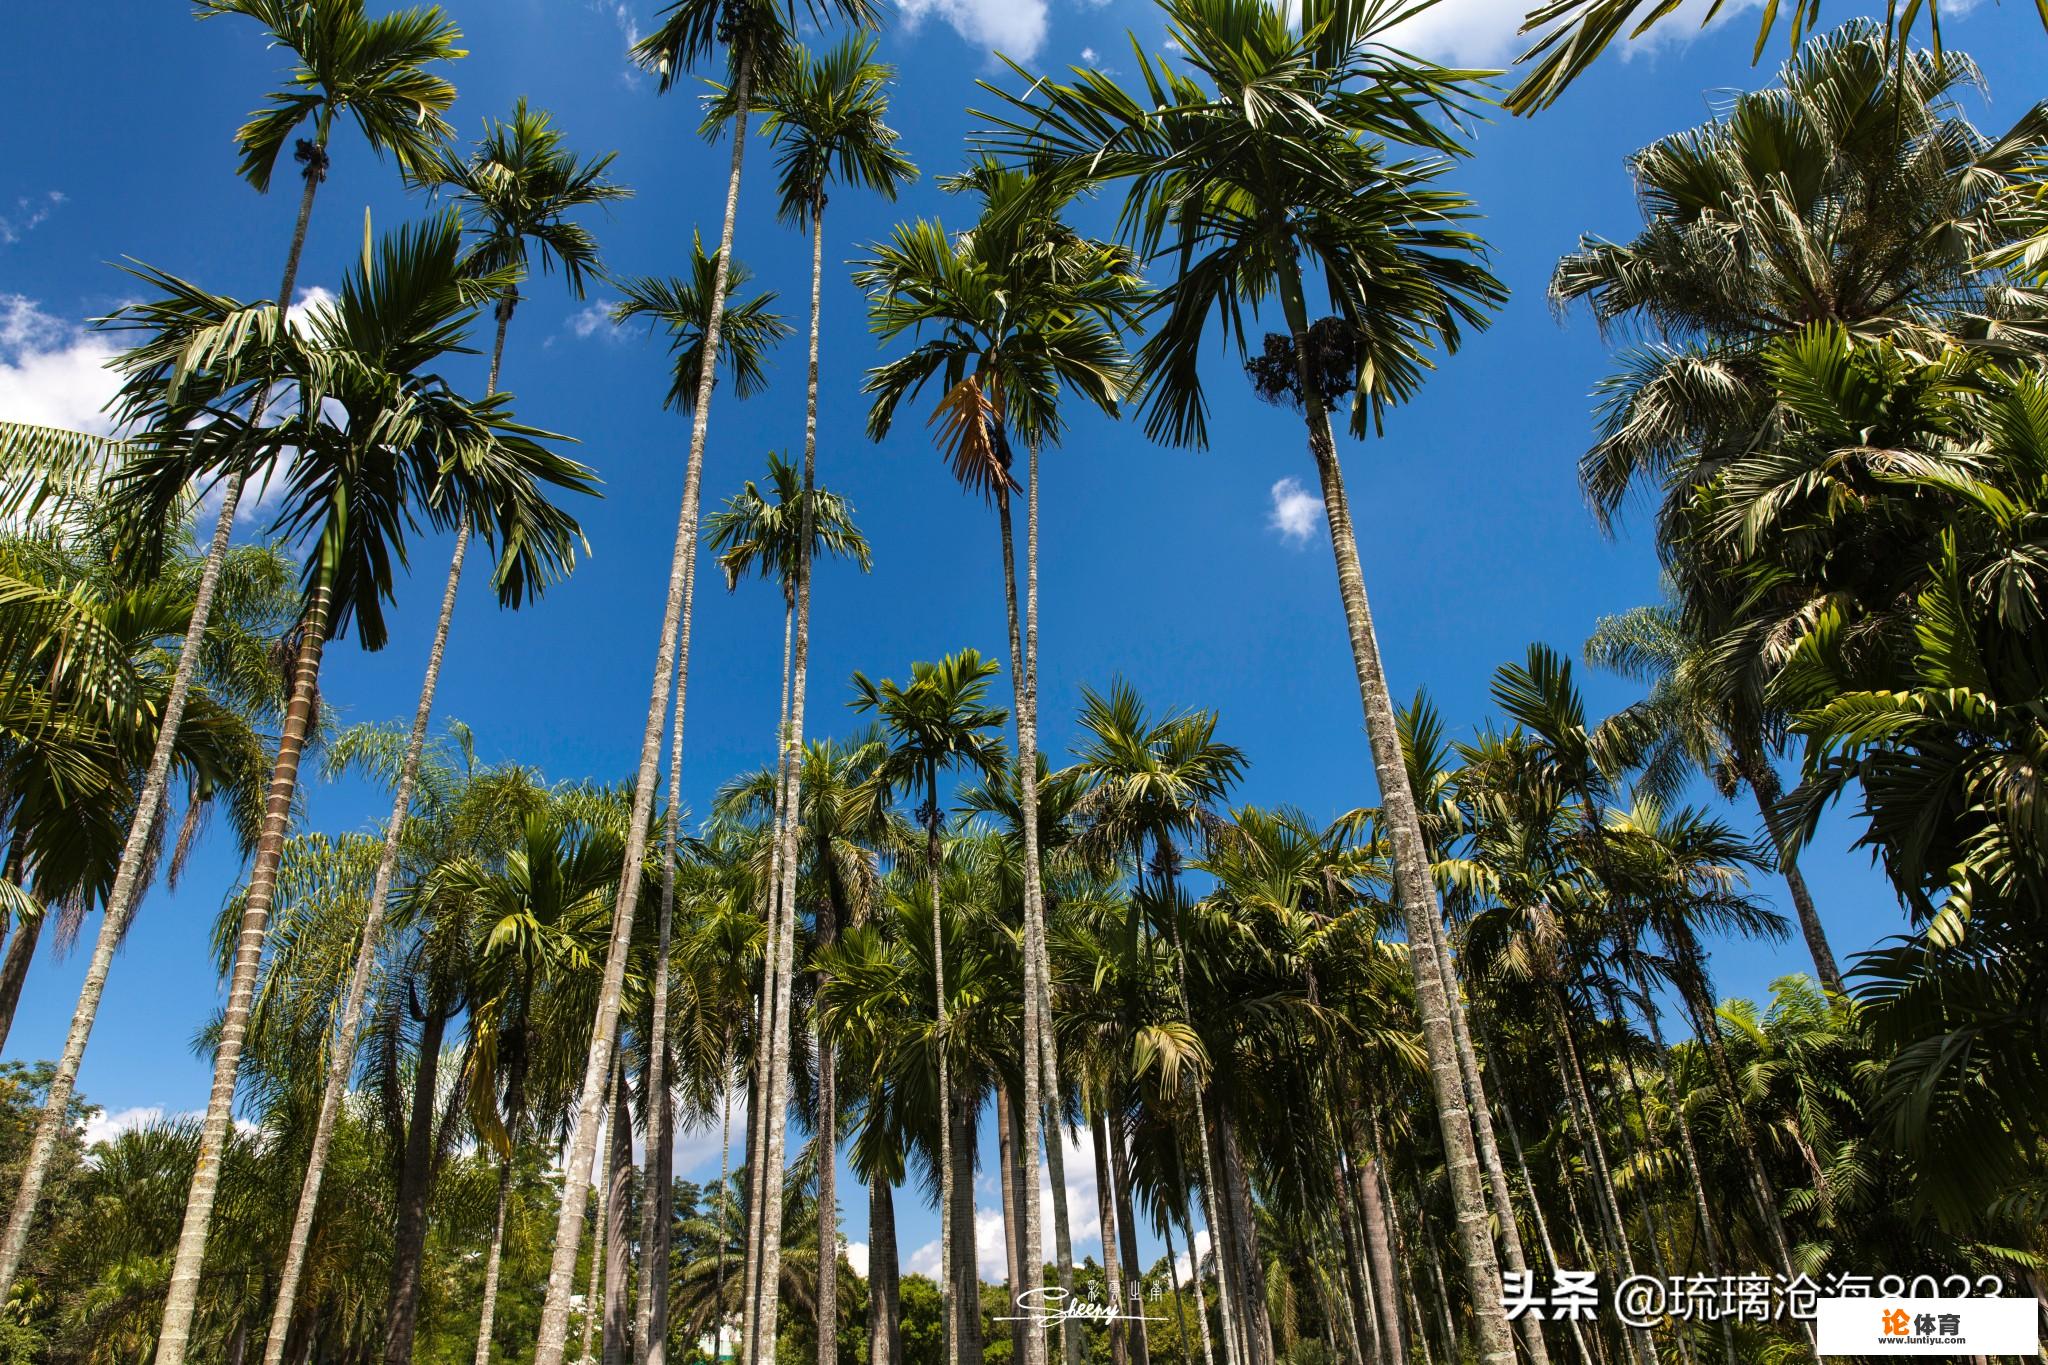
1007 316
517 188
940 719
370 69
682 307
375 438
757 534
1148 776
1277 153
825 116
1855 192
761 31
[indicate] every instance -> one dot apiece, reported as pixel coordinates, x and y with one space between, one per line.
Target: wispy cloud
1014 27
1487 32
30 212
53 373
594 319
1296 512
106 1127
627 22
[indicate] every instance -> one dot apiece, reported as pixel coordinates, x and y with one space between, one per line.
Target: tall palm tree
755 35
826 117
372 70
1693 721
518 189
1854 192
777 539
1274 155
1005 317
939 721
378 439
1155 781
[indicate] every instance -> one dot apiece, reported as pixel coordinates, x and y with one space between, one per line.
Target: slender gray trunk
1187 1222
719 1332
1013 1229
1258 1326
1379 1252
1411 872
618 1248
21 950
768 1021
1763 784
1120 1173
182 1300
966 1271
1489 1148
885 1304
776 984
1112 1263
599 1191
128 877
341 1056
1180 1307
650 1336
949 1307
792 742
675 637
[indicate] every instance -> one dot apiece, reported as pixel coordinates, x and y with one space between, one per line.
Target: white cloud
52 373
106 1127
1015 27
1089 55
1182 1273
31 211
594 319
925 1260
856 1254
1487 32
1296 511
627 21
314 299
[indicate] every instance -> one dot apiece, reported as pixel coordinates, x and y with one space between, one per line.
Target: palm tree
1152 781
373 69
400 441
939 721
777 539
84 651
518 189
1855 192
1004 317
756 36
1693 720
1280 157
825 116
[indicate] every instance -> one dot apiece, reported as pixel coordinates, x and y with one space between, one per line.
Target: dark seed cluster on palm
1331 1078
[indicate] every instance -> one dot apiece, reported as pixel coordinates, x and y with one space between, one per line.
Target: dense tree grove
1343 1085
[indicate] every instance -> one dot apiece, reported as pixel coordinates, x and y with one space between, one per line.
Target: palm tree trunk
1180 1307
14 971
494 1262
1187 1223
793 749
1356 1279
828 1201
415 1181
1763 784
1225 1317
675 637
1258 1326
1702 1212
182 1300
1013 1231
1120 1173
1489 1148
1587 1120
593 1296
1700 1002
341 1056
650 1337
885 1303
965 1266
1027 803
1416 891
758 1104
55 1118
1379 1251
618 1250
949 1307
724 1203
1112 1264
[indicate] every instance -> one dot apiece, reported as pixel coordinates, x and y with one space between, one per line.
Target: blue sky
1204 577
